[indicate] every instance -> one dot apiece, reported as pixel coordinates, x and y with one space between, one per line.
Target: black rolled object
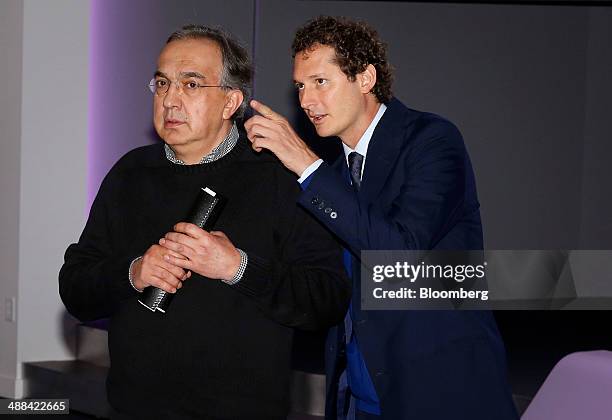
204 214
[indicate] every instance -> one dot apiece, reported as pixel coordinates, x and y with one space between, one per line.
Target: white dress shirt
361 147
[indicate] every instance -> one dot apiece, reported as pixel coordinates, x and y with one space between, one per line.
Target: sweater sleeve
307 286
93 279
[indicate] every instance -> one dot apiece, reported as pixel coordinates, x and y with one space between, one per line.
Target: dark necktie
355 161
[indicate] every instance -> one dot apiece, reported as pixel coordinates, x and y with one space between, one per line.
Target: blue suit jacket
417 192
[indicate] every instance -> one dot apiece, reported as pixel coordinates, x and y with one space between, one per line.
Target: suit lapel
383 150
384 147
339 165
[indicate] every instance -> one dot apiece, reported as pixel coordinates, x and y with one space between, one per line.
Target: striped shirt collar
217 153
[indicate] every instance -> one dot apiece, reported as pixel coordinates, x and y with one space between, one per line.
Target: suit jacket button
333 215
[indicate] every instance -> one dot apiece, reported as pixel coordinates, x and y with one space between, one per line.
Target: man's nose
172 98
307 99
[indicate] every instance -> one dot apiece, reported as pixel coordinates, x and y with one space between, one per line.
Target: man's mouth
171 123
317 118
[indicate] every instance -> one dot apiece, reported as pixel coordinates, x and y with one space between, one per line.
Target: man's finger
179 262
165 250
174 270
190 229
260 131
165 275
261 143
218 233
255 119
265 110
160 283
182 245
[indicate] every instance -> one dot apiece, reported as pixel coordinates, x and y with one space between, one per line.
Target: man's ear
367 79
233 99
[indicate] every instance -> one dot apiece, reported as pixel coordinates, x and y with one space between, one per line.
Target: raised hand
272 131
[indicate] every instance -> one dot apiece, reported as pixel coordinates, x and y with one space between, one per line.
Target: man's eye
161 83
321 81
299 86
191 85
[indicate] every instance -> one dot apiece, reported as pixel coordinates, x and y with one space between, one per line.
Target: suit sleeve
93 280
429 194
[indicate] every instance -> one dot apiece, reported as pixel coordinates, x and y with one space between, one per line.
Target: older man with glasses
222 350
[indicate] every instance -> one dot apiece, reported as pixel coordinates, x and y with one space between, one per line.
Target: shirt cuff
244 260
308 171
130 276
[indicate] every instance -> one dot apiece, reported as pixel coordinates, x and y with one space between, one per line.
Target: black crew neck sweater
220 351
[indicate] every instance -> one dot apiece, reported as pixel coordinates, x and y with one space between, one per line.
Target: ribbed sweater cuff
257 276
117 274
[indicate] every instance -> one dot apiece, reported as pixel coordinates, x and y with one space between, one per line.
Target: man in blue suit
405 182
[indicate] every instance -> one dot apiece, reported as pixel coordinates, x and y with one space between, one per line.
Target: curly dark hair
356 44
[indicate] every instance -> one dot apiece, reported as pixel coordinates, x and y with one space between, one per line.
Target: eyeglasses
190 87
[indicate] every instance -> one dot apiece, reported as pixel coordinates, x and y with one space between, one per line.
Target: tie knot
355 161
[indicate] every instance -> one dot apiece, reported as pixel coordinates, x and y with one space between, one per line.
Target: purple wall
124 43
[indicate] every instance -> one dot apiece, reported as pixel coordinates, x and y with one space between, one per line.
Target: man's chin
171 138
323 132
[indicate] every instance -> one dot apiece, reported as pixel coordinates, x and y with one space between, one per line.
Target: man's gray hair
236 71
